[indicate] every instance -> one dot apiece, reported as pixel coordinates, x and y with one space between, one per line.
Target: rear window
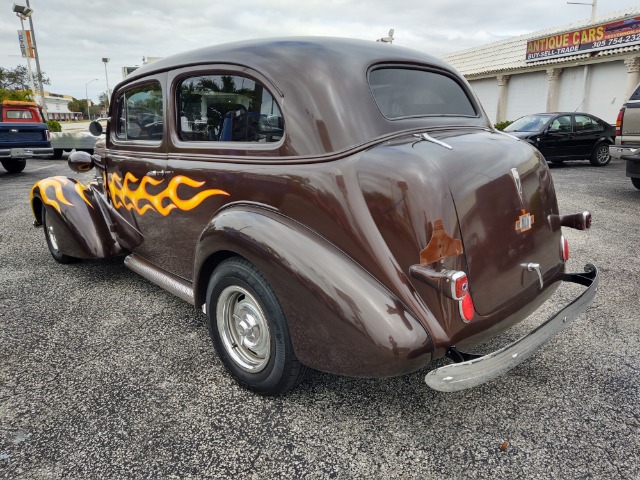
408 92
19 114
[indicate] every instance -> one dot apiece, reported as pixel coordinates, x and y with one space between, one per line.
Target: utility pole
38 71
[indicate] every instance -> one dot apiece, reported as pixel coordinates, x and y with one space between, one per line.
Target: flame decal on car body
58 184
133 195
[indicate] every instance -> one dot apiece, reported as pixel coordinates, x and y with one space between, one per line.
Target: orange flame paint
134 196
58 184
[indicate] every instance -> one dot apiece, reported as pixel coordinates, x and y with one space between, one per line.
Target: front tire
14 166
52 241
600 155
57 153
636 182
249 329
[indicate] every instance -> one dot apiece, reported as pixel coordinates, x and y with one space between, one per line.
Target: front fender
78 214
341 319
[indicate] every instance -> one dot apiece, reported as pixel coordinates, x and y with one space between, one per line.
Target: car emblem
13 130
516 179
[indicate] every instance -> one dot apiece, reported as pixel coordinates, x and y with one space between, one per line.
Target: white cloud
74 35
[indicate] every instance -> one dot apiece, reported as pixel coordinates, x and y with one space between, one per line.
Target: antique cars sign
621 33
332 204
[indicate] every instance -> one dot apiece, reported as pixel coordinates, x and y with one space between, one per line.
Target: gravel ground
104 375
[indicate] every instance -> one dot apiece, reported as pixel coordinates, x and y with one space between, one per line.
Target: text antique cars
332 204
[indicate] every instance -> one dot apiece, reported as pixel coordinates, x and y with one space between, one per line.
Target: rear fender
82 218
341 319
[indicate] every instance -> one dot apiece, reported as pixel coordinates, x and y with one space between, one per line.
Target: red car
332 204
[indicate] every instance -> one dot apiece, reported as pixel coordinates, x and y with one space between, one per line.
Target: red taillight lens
619 122
460 285
564 249
467 309
48 135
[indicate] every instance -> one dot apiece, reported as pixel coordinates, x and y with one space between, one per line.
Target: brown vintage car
332 204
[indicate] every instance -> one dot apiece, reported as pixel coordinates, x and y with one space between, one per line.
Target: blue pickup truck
23 135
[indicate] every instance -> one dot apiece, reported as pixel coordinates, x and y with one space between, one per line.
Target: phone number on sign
616 41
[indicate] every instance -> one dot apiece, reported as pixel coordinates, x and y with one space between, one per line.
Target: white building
58 107
585 66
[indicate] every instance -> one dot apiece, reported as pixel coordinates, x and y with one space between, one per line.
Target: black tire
57 153
52 243
600 155
14 166
261 357
636 182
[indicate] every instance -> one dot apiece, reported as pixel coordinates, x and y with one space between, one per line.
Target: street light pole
105 60
38 71
86 96
594 6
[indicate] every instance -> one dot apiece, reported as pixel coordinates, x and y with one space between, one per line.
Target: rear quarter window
409 92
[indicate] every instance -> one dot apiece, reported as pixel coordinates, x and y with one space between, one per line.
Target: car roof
322 86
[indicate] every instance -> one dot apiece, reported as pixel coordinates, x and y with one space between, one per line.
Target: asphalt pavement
105 375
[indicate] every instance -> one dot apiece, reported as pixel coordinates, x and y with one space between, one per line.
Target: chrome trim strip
180 288
463 375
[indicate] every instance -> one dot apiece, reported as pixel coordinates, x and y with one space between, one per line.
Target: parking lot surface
105 375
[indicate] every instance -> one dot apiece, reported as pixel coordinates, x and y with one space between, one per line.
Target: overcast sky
74 35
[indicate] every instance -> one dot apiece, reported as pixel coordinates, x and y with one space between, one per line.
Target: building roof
508 55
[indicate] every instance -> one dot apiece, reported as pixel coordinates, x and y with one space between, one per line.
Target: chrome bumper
618 151
470 373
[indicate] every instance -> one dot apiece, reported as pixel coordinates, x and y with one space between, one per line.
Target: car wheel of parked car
249 330
14 166
636 182
600 156
52 241
57 153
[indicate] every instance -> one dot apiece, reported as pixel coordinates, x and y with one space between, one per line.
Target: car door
588 132
218 120
556 141
136 168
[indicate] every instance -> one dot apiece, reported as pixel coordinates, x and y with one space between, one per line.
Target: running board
172 284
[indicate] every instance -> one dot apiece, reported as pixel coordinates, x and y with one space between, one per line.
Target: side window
139 113
587 124
227 108
562 124
636 94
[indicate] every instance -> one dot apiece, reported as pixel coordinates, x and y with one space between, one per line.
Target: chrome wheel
244 329
52 237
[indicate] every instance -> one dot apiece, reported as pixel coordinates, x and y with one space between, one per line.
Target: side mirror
95 128
80 161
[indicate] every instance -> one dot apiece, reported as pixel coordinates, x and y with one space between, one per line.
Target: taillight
564 249
619 122
467 309
48 135
459 285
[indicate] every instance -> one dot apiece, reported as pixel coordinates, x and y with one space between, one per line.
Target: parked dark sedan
328 203
566 136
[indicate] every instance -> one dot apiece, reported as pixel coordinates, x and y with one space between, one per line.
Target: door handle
158 173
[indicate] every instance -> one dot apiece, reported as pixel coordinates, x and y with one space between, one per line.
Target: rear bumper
618 152
470 373
25 152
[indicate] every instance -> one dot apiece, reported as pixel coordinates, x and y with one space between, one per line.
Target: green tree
18 78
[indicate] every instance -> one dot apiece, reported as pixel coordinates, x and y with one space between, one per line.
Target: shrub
501 125
54 126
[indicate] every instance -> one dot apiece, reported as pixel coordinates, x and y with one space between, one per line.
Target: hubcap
603 154
52 238
243 329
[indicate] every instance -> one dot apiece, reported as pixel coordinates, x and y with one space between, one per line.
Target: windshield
530 123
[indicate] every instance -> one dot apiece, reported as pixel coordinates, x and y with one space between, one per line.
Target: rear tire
249 329
636 182
14 166
52 242
57 153
600 155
